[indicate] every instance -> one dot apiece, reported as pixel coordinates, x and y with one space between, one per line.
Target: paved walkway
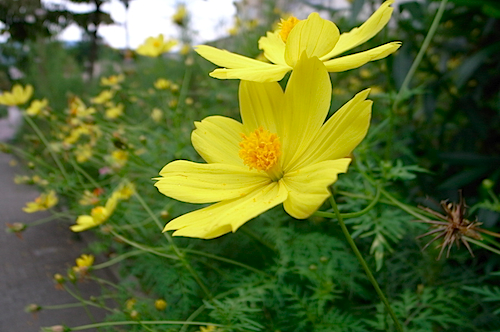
28 264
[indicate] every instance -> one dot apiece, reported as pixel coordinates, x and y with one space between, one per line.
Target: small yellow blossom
37 106
314 37
119 158
41 203
114 112
189 101
154 47
113 80
78 109
160 304
83 153
180 15
85 261
124 191
130 303
156 114
173 103
185 49
162 84
17 96
103 97
98 215
209 328
36 179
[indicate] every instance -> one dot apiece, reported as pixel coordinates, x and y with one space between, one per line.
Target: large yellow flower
17 96
314 36
283 152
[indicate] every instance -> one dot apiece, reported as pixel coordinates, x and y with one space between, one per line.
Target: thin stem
226 260
482 245
46 142
176 249
131 322
117 259
352 214
85 302
141 247
404 86
421 52
363 264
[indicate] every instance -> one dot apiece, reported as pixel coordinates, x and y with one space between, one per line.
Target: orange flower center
287 26
260 149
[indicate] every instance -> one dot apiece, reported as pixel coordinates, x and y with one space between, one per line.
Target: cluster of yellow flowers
285 150
100 214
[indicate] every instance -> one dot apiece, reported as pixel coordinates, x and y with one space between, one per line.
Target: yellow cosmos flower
85 261
42 203
162 84
17 96
180 15
78 109
114 111
98 215
283 152
83 152
314 37
161 304
124 191
103 97
112 80
153 47
156 114
37 106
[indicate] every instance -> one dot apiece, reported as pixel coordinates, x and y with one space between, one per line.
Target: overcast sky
209 18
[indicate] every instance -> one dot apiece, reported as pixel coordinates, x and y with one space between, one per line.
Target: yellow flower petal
227 216
240 67
260 105
358 59
216 139
83 223
206 183
308 187
273 73
307 101
366 31
341 133
273 47
314 36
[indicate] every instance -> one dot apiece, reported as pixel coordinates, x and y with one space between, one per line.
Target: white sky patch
210 19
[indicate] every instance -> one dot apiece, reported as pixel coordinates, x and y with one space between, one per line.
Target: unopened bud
160 304
31 308
59 278
488 184
134 314
164 214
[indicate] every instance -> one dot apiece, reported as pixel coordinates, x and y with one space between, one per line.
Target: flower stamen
260 149
286 26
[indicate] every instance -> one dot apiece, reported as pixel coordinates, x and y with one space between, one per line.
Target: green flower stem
132 322
226 260
30 157
363 264
85 174
86 303
183 93
53 216
404 86
117 259
352 214
142 247
482 245
174 246
46 142
62 306
421 52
